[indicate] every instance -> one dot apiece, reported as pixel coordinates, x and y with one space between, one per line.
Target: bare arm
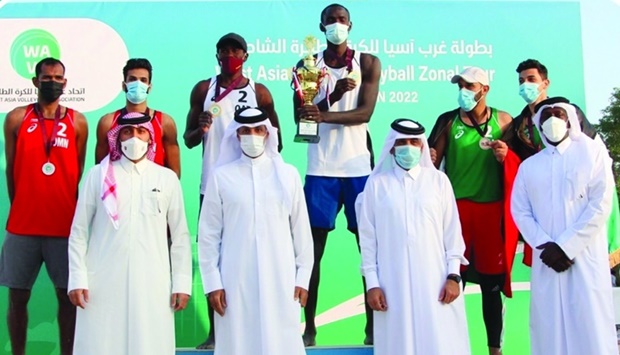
505 120
12 123
371 74
103 127
172 158
265 102
81 137
193 131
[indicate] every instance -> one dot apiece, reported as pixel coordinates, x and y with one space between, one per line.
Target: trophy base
302 138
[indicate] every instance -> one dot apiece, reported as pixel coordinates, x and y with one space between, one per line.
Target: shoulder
447 116
503 116
261 88
203 85
166 118
370 63
369 59
15 116
105 122
79 118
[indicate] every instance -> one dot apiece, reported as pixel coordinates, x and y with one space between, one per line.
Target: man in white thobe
412 250
123 278
560 202
254 243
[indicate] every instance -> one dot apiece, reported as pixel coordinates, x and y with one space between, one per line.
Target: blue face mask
529 92
137 92
467 99
407 156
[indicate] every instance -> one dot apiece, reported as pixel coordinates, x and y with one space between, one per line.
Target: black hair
324 12
533 64
47 61
138 63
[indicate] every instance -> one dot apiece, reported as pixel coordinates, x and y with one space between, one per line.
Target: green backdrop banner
421 44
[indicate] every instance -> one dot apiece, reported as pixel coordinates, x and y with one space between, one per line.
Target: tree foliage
609 128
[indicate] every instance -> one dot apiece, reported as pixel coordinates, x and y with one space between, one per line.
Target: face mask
467 99
337 33
136 92
253 146
407 156
231 65
134 148
554 129
529 92
50 91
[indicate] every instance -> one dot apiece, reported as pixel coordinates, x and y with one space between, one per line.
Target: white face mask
554 129
134 148
251 145
337 33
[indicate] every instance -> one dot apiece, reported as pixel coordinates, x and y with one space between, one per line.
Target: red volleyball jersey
157 130
44 205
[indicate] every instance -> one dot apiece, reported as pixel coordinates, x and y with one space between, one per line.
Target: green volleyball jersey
474 172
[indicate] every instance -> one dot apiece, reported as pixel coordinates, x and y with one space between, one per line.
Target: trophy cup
306 80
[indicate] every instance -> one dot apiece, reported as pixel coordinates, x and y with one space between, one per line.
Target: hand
342 86
449 292
310 112
301 295
433 155
554 257
376 299
205 119
178 301
217 300
500 149
79 297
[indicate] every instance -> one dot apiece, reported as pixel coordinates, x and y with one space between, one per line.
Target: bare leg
17 319
319 237
209 343
368 330
66 321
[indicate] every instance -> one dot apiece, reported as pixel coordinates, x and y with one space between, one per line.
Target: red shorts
482 231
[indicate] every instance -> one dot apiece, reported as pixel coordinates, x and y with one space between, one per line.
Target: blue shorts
325 196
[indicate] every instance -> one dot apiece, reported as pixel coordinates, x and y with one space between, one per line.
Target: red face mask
231 65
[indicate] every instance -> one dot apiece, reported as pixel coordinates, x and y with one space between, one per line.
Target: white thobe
563 195
256 249
129 273
411 240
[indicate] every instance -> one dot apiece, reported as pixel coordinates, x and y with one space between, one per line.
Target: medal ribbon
347 60
530 130
219 96
477 125
48 142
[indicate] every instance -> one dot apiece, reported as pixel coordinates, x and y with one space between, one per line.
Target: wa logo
29 48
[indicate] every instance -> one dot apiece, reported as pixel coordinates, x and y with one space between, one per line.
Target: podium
315 350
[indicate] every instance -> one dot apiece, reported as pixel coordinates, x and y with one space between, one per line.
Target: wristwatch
454 277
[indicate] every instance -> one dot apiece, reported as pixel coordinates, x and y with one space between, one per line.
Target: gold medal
355 75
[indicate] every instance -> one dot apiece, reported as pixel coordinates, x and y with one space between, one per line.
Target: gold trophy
307 80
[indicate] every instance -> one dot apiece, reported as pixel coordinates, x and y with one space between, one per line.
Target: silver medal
48 168
485 143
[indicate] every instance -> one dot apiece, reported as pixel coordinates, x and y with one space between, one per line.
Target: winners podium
315 350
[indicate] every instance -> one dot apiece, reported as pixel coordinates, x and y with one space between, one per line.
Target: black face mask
50 91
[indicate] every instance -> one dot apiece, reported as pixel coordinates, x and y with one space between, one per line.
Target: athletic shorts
22 256
325 197
481 224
